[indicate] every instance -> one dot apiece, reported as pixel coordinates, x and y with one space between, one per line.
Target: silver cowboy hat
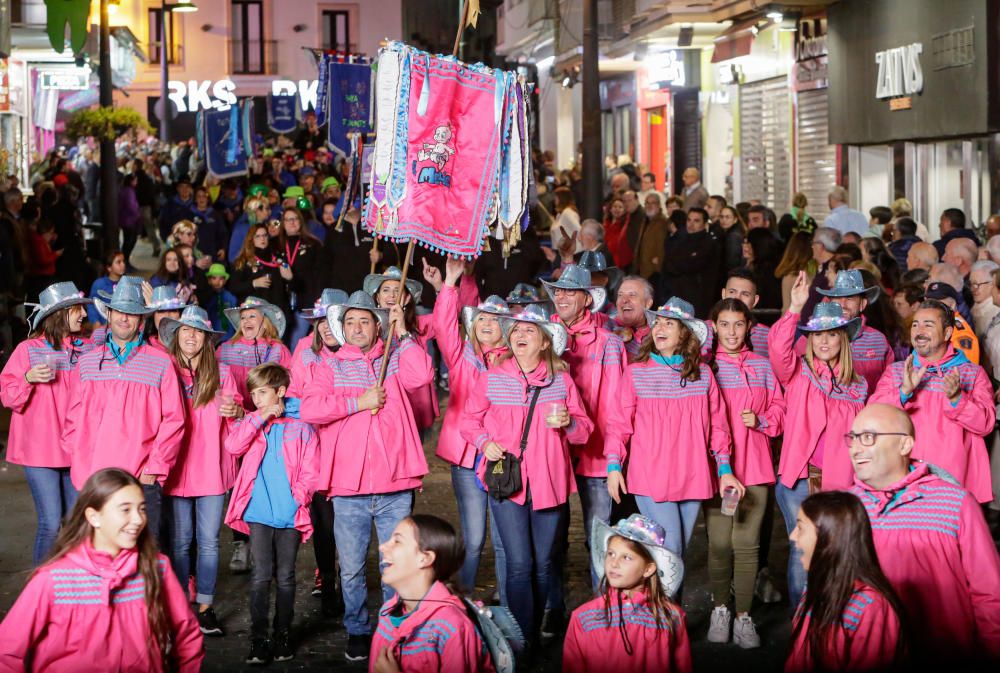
270 311
373 282
165 299
648 533
535 315
594 261
493 305
827 316
54 298
678 309
126 298
525 294
192 316
850 283
328 298
575 277
358 300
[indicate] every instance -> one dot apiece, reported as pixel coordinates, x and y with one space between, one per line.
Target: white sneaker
718 626
764 588
745 633
240 562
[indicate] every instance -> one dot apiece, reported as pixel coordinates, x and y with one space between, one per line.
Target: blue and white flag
349 93
282 113
223 143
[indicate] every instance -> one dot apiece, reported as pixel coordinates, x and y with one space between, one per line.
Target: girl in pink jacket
823 395
257 340
850 618
34 385
425 628
105 600
270 503
204 471
756 411
671 393
633 625
466 360
528 406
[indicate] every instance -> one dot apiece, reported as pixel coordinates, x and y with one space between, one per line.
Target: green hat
217 270
293 192
329 182
258 190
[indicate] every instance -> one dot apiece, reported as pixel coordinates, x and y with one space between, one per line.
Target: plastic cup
51 360
730 500
553 414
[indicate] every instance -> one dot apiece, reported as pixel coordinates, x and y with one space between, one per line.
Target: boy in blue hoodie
217 299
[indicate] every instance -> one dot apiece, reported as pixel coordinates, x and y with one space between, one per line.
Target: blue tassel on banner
234 134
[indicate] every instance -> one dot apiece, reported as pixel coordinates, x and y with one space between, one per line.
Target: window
246 49
155 17
337 30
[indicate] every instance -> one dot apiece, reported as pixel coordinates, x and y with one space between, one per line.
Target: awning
735 41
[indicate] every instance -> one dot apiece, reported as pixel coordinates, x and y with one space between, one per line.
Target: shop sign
65 80
193 95
899 71
4 85
811 60
666 69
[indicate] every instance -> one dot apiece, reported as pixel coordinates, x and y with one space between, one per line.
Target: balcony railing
253 57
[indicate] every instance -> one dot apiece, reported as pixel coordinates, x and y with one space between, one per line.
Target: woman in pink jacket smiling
528 406
260 326
823 394
34 385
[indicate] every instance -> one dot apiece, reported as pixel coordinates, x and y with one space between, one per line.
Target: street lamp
180 6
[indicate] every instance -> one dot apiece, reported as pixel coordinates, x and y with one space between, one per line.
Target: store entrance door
656 119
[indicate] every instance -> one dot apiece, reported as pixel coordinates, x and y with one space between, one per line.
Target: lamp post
109 170
180 6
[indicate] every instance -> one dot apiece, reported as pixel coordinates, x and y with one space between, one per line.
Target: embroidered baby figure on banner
439 153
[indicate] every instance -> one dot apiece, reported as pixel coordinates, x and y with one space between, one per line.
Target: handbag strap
531 412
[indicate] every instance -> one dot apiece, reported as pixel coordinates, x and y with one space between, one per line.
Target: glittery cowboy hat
829 316
270 311
54 298
328 298
493 305
850 284
373 282
192 316
126 298
525 294
648 533
575 277
678 309
165 299
594 262
358 300
536 316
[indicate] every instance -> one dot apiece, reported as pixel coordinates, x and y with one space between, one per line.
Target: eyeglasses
868 439
976 286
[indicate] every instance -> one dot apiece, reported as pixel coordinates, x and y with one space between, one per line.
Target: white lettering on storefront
193 95
899 71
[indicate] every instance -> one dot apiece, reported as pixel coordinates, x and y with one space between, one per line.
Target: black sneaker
358 647
209 624
282 648
553 623
333 602
260 652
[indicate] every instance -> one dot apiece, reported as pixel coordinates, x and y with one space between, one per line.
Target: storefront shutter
765 143
816 158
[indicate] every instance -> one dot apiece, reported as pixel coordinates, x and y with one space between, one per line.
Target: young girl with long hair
104 600
823 395
528 406
425 628
756 411
850 618
260 326
34 385
204 471
798 257
173 272
633 625
670 392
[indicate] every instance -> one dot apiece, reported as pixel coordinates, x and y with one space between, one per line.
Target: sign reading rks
193 95
899 71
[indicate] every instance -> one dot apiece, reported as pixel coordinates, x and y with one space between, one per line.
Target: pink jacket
597 363
747 382
497 410
468 291
691 414
632 338
865 640
244 355
758 339
438 636
379 453
38 411
129 416
946 436
300 449
203 466
424 400
303 358
595 645
935 547
870 353
87 611
464 368
819 412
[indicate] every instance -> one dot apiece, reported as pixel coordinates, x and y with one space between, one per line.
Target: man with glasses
931 538
948 398
981 284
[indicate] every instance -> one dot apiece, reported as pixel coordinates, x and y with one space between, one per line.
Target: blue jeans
472 508
529 541
154 508
205 512
596 504
789 501
677 519
352 531
54 496
298 328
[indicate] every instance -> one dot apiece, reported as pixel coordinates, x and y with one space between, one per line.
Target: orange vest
963 338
